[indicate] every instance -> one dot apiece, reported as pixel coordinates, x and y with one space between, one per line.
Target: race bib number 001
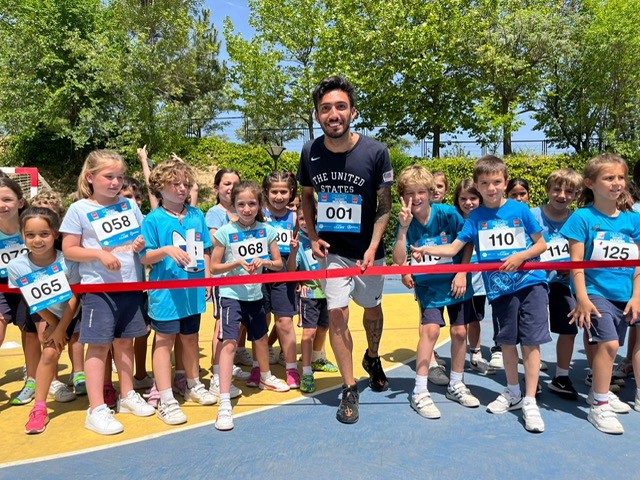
250 244
431 259
339 212
500 238
45 287
114 224
557 249
10 248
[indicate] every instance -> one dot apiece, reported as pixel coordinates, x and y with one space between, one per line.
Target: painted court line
192 427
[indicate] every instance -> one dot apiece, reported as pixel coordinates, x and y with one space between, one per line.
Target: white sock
216 378
515 390
255 364
192 382
529 400
265 375
291 365
166 395
562 372
316 355
307 370
421 384
455 378
216 369
433 364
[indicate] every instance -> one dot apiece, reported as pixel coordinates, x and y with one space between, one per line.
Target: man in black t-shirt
352 176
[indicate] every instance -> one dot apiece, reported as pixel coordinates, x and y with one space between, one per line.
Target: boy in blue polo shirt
504 229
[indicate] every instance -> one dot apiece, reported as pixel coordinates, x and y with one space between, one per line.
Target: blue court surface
302 439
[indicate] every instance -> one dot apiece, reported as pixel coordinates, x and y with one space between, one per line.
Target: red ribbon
335 273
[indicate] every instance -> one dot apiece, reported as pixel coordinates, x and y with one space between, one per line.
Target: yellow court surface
66 433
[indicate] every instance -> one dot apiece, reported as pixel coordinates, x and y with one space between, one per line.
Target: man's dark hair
334 82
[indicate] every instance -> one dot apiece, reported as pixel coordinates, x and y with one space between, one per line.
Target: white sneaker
604 419
224 421
214 389
423 404
272 357
171 413
532 419
274 384
102 421
505 402
199 394
480 365
617 405
243 357
437 375
59 392
461 394
496 360
134 403
623 369
239 373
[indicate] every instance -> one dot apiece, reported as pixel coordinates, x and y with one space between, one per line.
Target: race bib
430 259
500 238
557 249
284 231
339 212
114 224
45 287
310 260
614 246
194 246
250 244
10 248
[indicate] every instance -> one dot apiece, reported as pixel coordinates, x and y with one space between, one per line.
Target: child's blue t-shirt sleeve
468 232
150 235
575 228
531 225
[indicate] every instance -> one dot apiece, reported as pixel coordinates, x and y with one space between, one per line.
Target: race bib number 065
45 287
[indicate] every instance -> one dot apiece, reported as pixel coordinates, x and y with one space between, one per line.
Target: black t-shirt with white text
363 170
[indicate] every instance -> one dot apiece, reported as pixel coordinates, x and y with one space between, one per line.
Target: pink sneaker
152 396
110 397
38 420
254 378
293 378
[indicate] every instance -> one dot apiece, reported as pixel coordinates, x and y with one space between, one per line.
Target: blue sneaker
26 394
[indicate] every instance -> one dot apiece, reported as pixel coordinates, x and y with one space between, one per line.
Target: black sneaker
563 387
377 379
348 408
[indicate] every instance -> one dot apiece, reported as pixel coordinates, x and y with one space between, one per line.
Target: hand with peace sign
405 216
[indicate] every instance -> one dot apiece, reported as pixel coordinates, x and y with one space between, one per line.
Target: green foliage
251 161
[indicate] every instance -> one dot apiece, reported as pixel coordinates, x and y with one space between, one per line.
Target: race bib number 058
114 224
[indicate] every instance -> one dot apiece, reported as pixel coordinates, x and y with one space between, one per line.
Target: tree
516 40
276 70
410 61
594 81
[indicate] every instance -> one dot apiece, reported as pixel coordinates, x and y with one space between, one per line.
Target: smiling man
352 176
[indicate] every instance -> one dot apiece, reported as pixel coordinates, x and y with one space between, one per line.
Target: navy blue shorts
314 313
455 312
106 316
184 326
561 302
612 325
251 314
280 298
522 316
9 303
476 310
